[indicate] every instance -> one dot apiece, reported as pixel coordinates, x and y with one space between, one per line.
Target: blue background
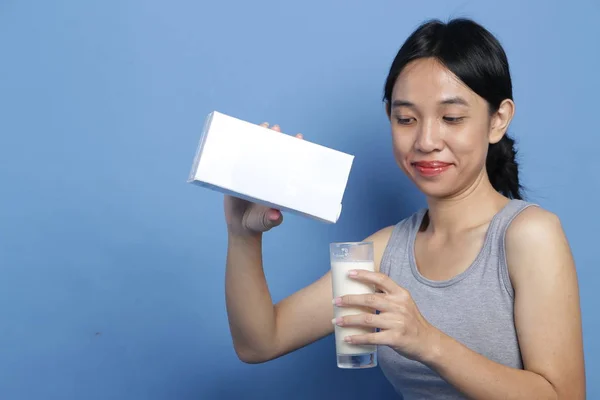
112 266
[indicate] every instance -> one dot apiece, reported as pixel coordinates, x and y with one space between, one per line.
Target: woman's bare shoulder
380 240
536 244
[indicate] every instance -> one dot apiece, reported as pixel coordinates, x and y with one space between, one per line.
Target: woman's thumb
261 219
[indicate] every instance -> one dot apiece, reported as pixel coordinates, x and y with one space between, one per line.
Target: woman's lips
431 168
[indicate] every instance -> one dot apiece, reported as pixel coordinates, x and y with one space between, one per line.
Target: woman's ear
501 120
386 105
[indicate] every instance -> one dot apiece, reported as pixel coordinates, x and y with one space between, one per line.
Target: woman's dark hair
474 55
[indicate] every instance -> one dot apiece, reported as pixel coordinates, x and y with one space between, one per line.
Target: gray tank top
474 307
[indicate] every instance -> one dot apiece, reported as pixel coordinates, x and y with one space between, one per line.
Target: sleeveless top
474 307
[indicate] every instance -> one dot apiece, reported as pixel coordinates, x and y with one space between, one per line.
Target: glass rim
361 243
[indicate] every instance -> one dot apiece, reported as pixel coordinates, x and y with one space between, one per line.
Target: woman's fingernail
347 339
352 272
337 321
337 301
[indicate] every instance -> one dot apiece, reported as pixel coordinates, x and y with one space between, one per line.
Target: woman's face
441 129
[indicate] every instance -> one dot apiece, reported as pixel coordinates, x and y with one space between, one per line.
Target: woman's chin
439 189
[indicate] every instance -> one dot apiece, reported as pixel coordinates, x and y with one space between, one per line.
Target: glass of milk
345 257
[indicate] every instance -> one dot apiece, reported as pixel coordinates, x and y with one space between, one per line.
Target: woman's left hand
402 327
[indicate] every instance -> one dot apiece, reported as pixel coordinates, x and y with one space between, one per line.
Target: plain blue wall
112 267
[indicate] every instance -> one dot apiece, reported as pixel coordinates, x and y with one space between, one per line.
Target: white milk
342 285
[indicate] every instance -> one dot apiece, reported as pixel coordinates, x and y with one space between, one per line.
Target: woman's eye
453 120
404 121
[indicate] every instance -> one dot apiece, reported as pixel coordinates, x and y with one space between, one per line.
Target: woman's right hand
246 218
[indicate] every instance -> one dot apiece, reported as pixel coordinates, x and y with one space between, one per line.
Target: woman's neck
474 207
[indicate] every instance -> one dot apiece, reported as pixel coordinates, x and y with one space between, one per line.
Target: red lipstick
431 168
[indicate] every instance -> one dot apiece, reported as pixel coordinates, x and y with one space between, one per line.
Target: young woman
478 293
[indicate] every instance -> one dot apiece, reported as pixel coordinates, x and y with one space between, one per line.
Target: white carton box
272 168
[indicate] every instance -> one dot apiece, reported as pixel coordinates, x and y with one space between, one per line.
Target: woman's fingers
277 128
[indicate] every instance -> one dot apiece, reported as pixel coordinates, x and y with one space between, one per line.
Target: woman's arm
547 318
263 331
